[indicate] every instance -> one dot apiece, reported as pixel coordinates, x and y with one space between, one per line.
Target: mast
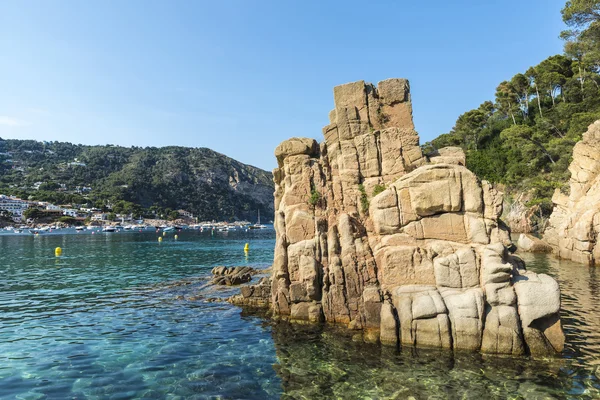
258 223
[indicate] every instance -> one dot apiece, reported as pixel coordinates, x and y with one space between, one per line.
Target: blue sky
241 76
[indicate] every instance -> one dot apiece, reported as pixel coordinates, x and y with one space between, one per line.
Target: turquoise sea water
121 316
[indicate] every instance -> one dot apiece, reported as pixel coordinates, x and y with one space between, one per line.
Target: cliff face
376 236
575 220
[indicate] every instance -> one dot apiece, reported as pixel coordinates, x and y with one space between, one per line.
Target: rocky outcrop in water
232 276
254 296
373 235
575 220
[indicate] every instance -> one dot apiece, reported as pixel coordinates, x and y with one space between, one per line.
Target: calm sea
122 316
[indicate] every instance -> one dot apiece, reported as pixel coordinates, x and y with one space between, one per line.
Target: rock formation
254 296
232 276
522 218
376 236
532 244
575 220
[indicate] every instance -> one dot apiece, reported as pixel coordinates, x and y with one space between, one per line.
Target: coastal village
16 209
402 255
48 215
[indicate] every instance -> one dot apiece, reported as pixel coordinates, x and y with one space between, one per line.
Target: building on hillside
124 217
83 189
14 205
71 212
99 217
185 214
92 210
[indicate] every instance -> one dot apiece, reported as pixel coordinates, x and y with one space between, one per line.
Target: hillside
133 179
524 137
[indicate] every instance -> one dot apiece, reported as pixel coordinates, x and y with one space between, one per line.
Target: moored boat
258 225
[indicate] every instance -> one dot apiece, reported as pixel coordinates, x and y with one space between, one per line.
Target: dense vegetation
524 138
143 181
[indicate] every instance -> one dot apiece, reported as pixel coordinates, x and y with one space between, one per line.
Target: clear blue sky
241 76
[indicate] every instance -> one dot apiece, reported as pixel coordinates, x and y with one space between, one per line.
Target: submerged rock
575 220
371 235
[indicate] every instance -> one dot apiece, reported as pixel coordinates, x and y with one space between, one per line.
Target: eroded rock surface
374 236
231 276
532 244
256 296
575 220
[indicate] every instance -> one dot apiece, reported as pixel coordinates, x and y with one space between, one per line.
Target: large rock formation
575 220
373 235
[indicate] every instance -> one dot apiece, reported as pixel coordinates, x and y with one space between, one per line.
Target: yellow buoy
247 247
58 252
159 239
164 233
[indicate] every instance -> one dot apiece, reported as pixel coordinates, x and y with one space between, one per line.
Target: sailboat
257 225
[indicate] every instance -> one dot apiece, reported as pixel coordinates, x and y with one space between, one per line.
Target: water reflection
325 361
580 295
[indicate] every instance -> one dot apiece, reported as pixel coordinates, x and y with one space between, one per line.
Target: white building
70 212
99 217
185 213
13 205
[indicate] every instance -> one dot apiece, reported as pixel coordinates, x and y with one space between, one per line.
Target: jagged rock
521 217
406 250
232 276
448 155
258 296
532 244
575 221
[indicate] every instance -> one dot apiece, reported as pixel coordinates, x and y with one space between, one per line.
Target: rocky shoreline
575 220
404 247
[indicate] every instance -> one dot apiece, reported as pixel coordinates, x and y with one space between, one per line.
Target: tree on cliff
525 138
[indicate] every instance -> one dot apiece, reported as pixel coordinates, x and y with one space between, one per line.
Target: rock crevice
374 235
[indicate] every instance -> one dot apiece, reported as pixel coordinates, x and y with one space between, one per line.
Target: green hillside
133 179
524 137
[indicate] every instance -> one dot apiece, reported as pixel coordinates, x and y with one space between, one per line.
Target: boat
79 228
109 229
258 224
169 229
